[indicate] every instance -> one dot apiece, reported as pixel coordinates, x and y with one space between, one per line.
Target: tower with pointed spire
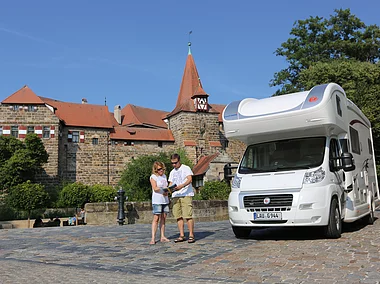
193 121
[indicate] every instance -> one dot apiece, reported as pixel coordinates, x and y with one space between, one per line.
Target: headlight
314 177
236 182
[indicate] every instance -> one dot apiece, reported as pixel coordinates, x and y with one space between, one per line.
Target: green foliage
9 145
135 178
102 193
318 40
214 190
74 195
36 150
20 161
27 197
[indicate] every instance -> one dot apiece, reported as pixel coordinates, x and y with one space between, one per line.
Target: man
181 175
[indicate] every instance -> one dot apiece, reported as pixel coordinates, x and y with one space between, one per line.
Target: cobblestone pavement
121 254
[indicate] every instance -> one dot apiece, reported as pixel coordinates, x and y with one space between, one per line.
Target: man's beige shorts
183 207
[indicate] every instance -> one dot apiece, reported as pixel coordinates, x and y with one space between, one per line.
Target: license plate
267 216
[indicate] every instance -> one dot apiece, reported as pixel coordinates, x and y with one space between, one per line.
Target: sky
134 52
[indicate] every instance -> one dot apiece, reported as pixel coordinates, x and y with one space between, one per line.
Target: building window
15 107
95 141
75 136
14 131
198 181
1 131
46 132
30 129
30 108
160 144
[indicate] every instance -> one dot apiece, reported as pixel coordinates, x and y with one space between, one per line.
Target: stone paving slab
121 254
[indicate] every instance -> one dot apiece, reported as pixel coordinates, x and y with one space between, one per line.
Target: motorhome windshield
283 155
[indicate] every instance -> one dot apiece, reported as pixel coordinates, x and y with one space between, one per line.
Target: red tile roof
142 134
203 164
189 143
218 108
139 116
215 144
191 86
23 96
86 115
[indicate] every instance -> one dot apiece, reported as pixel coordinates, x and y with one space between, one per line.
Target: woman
160 200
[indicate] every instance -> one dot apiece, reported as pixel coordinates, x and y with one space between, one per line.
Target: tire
334 228
241 232
370 218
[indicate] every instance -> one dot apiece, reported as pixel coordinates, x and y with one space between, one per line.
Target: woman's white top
158 198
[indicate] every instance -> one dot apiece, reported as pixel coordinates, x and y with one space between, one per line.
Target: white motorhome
309 162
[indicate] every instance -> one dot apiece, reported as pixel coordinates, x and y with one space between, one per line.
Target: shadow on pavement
302 233
198 235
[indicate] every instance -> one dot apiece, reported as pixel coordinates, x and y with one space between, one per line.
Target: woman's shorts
160 208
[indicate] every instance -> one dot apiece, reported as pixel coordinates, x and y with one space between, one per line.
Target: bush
74 195
102 193
214 190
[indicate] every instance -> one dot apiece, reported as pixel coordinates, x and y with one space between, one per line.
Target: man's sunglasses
174 163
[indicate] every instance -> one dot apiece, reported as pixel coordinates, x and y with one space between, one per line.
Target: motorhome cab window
334 153
355 145
338 108
290 154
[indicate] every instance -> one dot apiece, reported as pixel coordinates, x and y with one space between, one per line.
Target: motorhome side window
369 146
338 107
355 144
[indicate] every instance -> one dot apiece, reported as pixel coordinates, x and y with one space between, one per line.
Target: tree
20 161
135 178
27 196
318 40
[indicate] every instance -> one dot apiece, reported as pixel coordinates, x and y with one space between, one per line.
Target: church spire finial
189 43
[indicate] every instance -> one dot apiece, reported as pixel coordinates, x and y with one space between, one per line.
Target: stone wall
38 118
201 128
141 212
90 164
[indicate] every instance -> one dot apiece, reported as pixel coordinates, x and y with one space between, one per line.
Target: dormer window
201 104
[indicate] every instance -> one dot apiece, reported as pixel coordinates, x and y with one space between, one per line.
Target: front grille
277 200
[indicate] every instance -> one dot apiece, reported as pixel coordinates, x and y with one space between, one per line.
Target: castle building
89 144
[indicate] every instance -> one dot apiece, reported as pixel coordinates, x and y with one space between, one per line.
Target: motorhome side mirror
348 163
227 171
